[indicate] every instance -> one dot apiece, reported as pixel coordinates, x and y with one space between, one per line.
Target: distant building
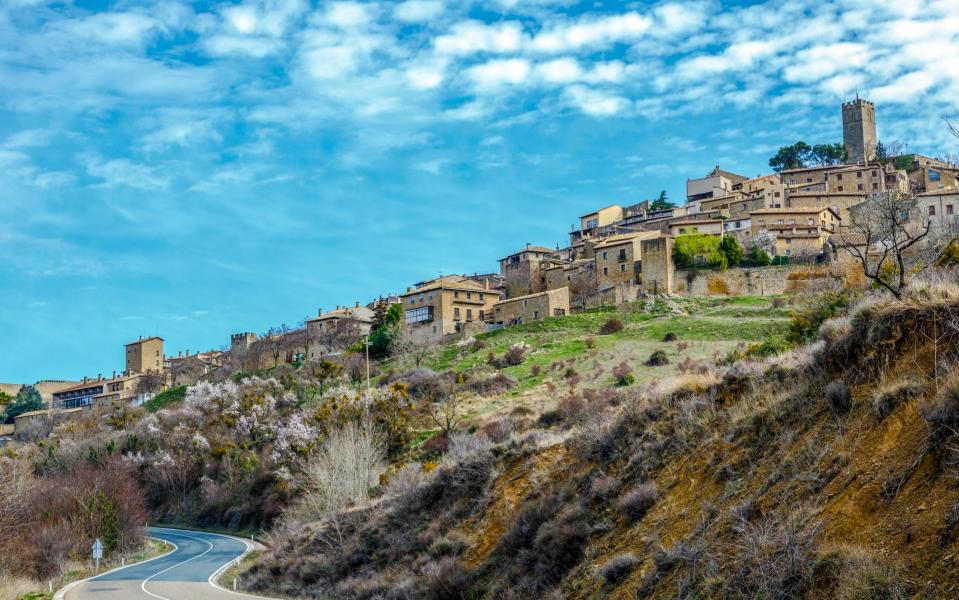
330 332
840 202
619 259
688 226
929 174
941 209
532 307
99 392
522 271
798 231
241 342
446 306
717 183
145 355
859 131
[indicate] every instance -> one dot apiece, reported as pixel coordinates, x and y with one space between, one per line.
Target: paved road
184 574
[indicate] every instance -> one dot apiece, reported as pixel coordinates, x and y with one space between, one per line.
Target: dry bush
535 370
492 385
942 417
657 359
405 481
500 430
590 342
516 354
342 471
887 397
682 347
612 325
603 487
571 407
623 374
670 337
618 568
445 579
778 302
636 502
838 397
858 576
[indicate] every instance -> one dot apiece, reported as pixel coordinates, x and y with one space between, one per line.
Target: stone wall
657 271
765 281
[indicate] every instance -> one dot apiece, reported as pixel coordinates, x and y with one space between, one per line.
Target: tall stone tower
859 130
145 355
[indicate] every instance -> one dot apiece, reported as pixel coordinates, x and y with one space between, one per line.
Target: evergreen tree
662 202
28 399
756 257
732 250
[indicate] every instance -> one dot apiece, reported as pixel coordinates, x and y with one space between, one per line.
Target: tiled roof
147 339
620 238
528 296
787 211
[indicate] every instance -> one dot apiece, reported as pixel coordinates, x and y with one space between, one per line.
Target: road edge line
61 593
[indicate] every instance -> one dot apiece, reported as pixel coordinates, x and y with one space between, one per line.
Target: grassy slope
709 327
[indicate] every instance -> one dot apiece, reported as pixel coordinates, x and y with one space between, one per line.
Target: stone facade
331 332
840 202
657 266
533 307
766 281
145 355
859 130
798 231
447 306
618 258
522 271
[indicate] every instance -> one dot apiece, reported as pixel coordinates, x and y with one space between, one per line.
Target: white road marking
144 583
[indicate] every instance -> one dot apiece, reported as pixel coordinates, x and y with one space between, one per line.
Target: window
605 270
948 209
536 314
622 254
780 221
525 303
873 173
776 195
789 241
456 313
559 312
762 223
469 295
809 180
592 223
875 186
622 268
422 314
792 221
604 255
482 296
810 221
456 294
934 175
412 300
932 210
469 314
859 187
858 174
482 315
430 295
839 177
839 188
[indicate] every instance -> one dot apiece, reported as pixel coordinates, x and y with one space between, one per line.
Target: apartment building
447 306
798 231
532 307
99 392
715 184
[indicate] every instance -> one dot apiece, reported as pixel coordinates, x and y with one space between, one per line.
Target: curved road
187 573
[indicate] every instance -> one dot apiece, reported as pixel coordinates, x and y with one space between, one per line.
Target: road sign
97 553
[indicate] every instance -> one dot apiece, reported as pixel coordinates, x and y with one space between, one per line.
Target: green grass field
708 328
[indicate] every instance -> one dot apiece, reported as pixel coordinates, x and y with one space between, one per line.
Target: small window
932 210
858 174
469 295
875 186
809 180
839 188
948 209
839 177
622 268
605 270
482 296
482 315
776 195
873 173
456 294
604 255
792 221
536 314
456 313
469 314
859 187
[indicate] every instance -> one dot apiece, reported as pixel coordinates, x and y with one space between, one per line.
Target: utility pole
368 366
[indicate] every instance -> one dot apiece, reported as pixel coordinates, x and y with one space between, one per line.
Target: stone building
619 257
658 268
522 271
741 229
840 202
446 306
929 174
145 355
99 392
859 130
941 209
715 184
532 307
687 226
798 231
331 332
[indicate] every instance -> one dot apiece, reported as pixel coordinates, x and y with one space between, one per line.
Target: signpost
97 553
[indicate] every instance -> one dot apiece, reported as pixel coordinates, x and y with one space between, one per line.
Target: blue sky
196 169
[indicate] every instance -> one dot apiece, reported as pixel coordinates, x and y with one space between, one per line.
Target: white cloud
417 11
819 62
469 37
123 172
905 88
347 15
433 167
180 130
561 70
592 32
596 102
499 72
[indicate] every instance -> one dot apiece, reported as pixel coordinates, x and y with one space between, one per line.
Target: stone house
687 226
930 174
798 231
941 208
448 305
532 307
145 355
619 259
715 184
739 228
331 332
840 202
522 271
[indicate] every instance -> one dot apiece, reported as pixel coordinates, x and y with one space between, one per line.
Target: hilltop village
787 230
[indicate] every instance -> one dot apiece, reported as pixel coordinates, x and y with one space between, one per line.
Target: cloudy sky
195 169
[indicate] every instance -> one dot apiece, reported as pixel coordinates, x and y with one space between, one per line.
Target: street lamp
367 366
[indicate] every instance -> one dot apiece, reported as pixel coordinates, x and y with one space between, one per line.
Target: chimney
99 376
408 290
357 304
179 354
84 379
319 312
528 245
486 283
141 338
188 354
114 375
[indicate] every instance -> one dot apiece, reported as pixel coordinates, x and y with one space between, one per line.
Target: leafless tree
582 285
447 411
337 334
417 349
150 383
887 232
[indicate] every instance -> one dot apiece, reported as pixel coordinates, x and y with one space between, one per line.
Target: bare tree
582 285
337 334
417 349
150 383
887 232
447 410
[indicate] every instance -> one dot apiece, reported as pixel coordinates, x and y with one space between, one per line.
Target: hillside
825 471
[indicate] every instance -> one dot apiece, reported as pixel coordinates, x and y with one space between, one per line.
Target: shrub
888 398
477 345
838 397
634 503
670 337
590 342
612 325
804 323
571 407
618 568
623 374
489 386
446 580
942 416
491 359
535 370
657 359
682 346
698 249
860 577
451 544
516 354
603 487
